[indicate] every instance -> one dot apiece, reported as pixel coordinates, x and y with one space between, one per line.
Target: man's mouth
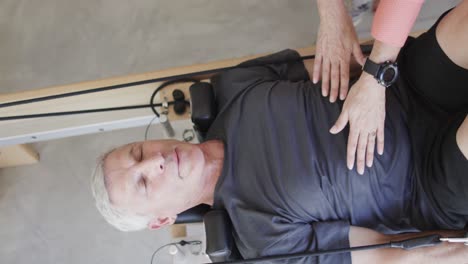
176 154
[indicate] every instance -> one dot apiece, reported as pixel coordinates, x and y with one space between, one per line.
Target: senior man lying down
271 163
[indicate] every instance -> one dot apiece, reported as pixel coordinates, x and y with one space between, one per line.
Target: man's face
160 177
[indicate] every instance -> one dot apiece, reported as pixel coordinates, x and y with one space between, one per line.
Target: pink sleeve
394 19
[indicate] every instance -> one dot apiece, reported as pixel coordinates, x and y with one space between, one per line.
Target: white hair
121 219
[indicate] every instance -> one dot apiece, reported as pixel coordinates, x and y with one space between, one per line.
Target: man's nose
155 163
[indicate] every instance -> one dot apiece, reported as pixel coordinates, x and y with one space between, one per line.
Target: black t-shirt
285 184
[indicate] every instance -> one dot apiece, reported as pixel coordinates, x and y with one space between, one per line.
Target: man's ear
159 222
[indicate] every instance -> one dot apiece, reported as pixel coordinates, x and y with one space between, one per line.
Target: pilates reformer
221 246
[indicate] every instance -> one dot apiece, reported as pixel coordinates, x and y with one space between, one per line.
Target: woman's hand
364 109
336 42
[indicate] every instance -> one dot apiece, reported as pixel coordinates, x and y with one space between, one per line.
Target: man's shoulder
283 65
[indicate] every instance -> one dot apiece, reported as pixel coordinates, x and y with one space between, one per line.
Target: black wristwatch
385 73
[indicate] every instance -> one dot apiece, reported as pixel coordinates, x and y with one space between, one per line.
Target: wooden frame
17 155
40 129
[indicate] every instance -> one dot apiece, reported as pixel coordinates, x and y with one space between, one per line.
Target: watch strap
371 67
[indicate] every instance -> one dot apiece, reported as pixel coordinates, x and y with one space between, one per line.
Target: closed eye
143 184
141 153
137 153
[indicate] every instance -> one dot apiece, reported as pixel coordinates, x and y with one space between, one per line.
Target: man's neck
214 159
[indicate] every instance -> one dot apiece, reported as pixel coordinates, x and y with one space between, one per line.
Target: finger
380 138
340 123
361 152
335 81
325 77
317 68
351 150
370 149
357 53
344 79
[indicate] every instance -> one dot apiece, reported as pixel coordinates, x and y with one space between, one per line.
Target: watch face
388 75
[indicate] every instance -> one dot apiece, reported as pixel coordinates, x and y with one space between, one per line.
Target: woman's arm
462 137
364 108
394 19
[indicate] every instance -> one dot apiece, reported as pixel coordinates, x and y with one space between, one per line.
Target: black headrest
220 244
193 215
203 105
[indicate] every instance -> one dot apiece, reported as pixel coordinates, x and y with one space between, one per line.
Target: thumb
340 123
357 53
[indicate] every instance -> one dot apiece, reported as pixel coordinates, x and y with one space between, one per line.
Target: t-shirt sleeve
283 65
300 238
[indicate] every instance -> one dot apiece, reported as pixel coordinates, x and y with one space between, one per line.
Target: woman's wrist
382 52
375 86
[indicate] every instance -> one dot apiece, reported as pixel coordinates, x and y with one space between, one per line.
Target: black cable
161 247
165 85
86 111
120 86
153 105
182 243
305 254
408 244
152 120
147 128
188 77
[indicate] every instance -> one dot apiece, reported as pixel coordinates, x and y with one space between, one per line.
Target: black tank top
433 75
